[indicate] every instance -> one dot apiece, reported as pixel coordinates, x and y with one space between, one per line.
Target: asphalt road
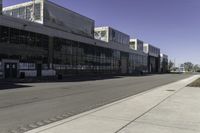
36 104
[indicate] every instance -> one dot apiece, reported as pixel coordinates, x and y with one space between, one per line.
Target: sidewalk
172 108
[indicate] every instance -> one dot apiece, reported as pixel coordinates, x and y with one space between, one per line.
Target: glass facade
76 57
23 45
137 62
118 37
66 56
26 12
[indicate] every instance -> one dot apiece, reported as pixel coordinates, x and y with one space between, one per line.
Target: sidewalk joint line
148 110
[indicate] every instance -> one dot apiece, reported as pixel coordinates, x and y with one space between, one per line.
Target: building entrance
10 70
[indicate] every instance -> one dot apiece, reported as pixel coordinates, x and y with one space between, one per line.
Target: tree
171 64
196 68
188 66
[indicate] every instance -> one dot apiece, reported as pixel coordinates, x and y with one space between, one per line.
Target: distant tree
170 65
182 65
196 68
188 66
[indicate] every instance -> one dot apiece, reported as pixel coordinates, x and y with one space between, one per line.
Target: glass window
37 11
28 12
4 34
22 12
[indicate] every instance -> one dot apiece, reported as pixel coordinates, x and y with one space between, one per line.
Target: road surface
27 106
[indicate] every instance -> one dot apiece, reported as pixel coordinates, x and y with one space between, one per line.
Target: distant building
163 63
153 58
181 68
137 45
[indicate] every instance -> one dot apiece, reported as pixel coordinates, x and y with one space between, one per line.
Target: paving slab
179 113
151 128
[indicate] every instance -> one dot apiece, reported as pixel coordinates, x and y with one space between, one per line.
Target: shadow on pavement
76 78
13 82
11 85
18 83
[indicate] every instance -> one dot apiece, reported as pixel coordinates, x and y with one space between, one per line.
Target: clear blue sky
172 25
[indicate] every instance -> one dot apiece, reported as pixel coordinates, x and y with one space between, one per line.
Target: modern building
111 35
41 38
137 45
164 63
136 60
51 15
153 58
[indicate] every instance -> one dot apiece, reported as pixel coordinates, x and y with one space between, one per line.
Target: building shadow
7 85
18 83
74 78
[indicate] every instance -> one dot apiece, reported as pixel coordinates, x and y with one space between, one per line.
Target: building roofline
30 2
109 27
18 5
147 44
41 29
69 10
136 39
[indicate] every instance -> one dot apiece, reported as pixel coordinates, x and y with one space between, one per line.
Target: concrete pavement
171 108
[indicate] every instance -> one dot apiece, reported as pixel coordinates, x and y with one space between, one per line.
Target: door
124 65
10 70
39 70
